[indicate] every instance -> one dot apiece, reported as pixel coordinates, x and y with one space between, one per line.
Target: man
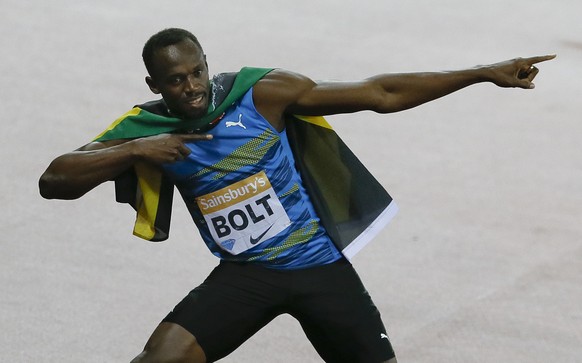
292 266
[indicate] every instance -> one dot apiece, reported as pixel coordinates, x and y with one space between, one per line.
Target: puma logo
239 123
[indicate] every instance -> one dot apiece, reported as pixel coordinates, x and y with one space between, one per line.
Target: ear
152 85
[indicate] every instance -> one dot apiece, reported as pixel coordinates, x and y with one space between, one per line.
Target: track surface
482 264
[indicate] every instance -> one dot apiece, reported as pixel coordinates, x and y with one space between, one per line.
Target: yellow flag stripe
150 181
315 120
133 112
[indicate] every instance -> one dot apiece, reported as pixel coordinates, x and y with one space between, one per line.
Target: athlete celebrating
241 185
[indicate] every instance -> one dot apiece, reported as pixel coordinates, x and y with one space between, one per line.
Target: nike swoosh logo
254 241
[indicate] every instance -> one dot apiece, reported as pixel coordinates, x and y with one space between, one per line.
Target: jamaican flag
152 118
351 204
145 188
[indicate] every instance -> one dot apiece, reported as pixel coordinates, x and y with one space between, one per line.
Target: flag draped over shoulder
226 89
144 187
351 203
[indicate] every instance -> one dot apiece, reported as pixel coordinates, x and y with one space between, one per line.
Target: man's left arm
396 92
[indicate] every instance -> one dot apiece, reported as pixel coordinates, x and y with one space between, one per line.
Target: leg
171 343
215 318
339 317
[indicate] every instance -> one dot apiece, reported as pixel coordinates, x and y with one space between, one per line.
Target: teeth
196 100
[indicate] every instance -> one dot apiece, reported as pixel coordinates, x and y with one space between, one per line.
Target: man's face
180 75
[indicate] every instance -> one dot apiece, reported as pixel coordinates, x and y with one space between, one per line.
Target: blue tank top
246 196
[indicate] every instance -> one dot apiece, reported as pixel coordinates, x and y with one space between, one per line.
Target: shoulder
282 79
277 92
281 88
283 85
157 107
280 74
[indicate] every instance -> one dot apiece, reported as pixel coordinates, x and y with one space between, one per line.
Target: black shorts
330 302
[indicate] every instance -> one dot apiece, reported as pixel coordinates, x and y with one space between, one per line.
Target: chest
243 144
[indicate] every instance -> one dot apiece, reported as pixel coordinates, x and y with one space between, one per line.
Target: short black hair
162 39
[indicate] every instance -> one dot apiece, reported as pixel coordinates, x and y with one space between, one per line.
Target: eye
176 80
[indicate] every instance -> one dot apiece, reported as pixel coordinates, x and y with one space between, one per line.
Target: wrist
131 150
483 73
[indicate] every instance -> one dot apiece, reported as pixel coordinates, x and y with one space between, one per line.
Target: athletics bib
244 214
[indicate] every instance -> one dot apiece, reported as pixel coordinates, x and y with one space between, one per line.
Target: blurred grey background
483 262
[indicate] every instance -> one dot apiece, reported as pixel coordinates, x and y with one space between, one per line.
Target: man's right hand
165 148
72 175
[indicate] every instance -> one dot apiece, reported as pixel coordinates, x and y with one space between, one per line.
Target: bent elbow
52 188
46 187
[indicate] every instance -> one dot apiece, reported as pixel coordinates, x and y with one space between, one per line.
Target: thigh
232 304
339 316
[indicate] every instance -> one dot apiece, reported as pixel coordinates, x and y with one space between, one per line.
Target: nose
191 84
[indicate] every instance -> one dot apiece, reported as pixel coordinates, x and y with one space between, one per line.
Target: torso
246 196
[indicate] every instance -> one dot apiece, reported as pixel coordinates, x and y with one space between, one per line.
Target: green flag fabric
144 187
226 89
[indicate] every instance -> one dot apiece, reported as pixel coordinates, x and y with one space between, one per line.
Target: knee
191 353
170 343
157 356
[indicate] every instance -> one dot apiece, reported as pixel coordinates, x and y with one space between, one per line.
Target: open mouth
196 106
197 101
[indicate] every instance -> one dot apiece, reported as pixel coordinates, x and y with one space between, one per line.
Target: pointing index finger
195 137
539 59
